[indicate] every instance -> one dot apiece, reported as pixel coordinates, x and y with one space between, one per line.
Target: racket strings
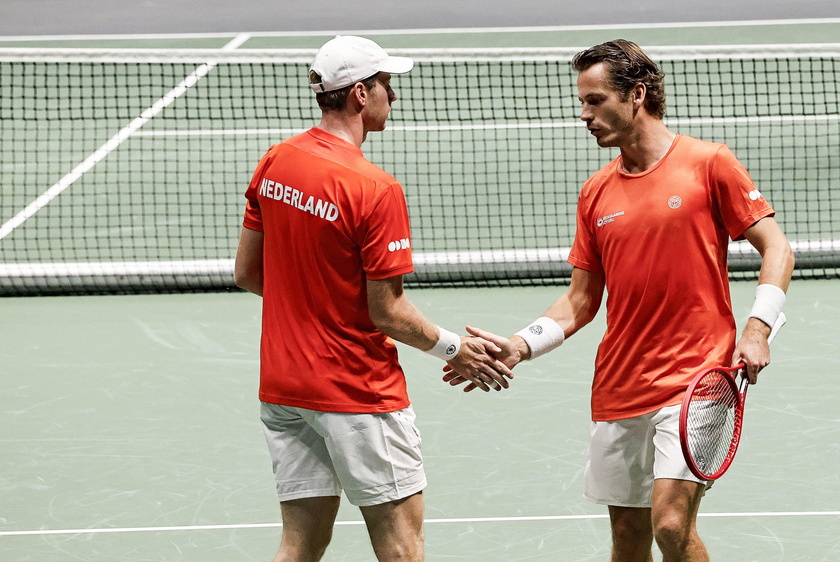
711 421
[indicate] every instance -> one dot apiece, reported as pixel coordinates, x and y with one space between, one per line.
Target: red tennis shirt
661 237
331 220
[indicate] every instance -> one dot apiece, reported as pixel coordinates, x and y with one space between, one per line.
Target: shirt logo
755 194
402 244
608 219
674 202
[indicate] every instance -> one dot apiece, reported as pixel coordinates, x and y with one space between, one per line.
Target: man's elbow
790 258
239 278
783 259
383 321
249 281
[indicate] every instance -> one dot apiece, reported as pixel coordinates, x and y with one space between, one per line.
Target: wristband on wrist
447 346
769 300
542 335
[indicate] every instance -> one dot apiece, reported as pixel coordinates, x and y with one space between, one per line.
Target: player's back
331 220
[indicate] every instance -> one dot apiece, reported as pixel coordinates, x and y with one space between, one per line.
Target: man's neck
650 145
349 128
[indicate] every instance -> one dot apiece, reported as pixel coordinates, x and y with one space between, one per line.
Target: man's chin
605 142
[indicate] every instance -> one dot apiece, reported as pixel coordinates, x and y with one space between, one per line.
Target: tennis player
653 228
326 242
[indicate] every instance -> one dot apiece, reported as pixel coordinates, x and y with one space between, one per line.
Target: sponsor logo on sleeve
401 244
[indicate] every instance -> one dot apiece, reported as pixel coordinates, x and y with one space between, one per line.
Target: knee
319 547
400 553
632 534
631 529
672 532
408 547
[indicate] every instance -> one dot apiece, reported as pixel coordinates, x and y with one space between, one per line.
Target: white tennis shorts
626 456
374 458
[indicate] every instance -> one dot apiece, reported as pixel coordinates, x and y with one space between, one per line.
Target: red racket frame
741 393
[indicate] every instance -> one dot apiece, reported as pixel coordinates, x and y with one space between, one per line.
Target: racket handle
744 383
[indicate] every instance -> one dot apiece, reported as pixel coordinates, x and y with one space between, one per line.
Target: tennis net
125 170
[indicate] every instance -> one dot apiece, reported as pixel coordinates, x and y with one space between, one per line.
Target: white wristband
769 300
542 335
447 346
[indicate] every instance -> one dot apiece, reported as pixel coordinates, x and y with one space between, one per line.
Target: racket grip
744 383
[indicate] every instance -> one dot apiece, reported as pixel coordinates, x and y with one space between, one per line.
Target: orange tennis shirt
660 237
331 220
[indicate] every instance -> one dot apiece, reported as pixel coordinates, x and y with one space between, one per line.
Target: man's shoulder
374 172
598 179
349 158
296 141
300 140
698 148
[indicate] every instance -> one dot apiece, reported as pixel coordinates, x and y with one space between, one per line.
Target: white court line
553 28
114 142
427 521
431 31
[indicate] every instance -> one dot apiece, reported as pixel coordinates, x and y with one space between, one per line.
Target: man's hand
505 354
753 348
476 365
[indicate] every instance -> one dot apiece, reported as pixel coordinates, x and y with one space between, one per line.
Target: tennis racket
712 416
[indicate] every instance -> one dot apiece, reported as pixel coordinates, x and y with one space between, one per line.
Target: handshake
485 361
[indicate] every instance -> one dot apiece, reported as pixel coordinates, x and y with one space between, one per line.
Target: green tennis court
130 432
130 422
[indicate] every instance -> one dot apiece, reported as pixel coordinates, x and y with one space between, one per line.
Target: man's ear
639 92
360 94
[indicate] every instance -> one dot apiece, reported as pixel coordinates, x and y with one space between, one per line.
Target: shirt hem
612 415
378 276
383 408
252 225
585 265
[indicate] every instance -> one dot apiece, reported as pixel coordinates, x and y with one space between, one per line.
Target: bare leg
396 529
632 534
307 528
675 505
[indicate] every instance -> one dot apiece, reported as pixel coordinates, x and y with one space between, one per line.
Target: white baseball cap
348 59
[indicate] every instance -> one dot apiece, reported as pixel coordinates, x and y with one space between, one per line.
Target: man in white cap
326 241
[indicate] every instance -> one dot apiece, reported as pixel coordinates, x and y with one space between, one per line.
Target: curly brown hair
627 65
